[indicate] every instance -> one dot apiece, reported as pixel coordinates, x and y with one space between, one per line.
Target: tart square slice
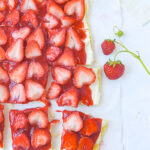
30 129
81 131
1 126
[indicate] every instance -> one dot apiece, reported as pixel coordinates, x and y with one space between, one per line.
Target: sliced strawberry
15 52
73 40
34 90
3 75
35 70
75 8
3 5
4 93
28 4
17 94
69 98
40 137
83 76
73 122
67 21
1 17
11 4
38 118
37 36
2 54
66 59
53 53
50 21
55 9
21 141
3 37
13 18
61 75
33 50
54 91
1 116
61 1
18 74
29 18
21 33
89 127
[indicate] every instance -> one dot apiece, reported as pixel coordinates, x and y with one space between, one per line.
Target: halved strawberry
13 18
75 8
11 4
89 127
20 121
40 137
50 21
37 36
3 37
53 53
54 91
61 75
3 5
69 98
4 93
73 40
28 4
66 59
55 9
17 94
34 90
61 1
3 75
2 54
21 141
58 38
73 122
83 76
1 17
33 50
15 52
67 21
35 70
21 33
38 118
18 74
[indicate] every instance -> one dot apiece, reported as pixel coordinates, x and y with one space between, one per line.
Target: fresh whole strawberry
108 46
114 69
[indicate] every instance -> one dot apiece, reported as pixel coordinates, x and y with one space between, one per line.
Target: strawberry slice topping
34 90
2 54
3 75
17 94
54 91
61 75
83 76
61 1
1 17
39 118
18 74
75 8
15 52
28 4
3 5
4 93
11 4
67 21
73 122
69 98
3 37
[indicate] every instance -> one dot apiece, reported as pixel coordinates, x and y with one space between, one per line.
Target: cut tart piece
1 126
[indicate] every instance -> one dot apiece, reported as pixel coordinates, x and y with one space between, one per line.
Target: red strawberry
4 93
11 4
18 74
89 127
27 5
58 38
3 5
73 40
54 91
21 141
69 98
20 121
66 59
33 50
3 75
3 37
53 53
75 7
85 143
1 116
21 33
61 1
2 54
61 75
17 94
73 122
67 21
55 9
83 76
37 36
1 17
114 69
13 18
15 52
108 46
35 70
34 90
38 118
